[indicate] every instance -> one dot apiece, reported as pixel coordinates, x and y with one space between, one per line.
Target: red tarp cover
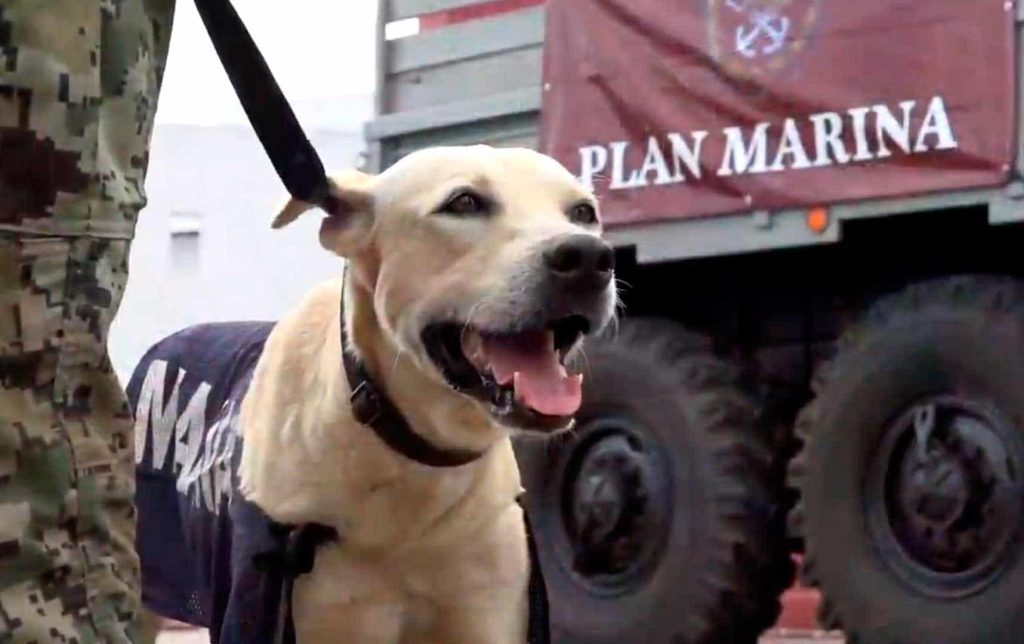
677 108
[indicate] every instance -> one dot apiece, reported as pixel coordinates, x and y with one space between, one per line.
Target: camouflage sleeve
79 81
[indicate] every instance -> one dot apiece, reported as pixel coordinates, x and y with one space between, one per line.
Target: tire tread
748 565
949 295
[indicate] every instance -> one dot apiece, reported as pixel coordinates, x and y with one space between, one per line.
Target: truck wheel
911 474
658 519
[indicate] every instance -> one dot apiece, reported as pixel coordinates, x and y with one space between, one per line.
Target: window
185 228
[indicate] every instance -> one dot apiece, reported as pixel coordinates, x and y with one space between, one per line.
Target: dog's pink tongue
529 361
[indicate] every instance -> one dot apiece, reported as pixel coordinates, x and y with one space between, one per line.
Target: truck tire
658 520
911 473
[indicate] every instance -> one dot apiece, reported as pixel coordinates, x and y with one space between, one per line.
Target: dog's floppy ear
350 196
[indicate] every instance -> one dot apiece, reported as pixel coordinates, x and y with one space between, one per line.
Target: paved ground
776 637
182 637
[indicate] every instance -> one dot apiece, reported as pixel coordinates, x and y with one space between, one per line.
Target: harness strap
538 628
295 551
293 554
293 156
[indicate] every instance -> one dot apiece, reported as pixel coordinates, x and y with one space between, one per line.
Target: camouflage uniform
79 81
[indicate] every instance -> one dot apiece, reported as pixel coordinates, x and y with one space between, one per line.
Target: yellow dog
473 274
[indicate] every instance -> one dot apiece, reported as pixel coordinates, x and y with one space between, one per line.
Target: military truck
816 208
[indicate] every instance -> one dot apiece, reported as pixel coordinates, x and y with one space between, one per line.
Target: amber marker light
817 220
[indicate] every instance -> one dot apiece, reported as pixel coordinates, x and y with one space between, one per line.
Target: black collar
372 408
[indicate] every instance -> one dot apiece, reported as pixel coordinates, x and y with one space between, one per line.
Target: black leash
293 156
299 167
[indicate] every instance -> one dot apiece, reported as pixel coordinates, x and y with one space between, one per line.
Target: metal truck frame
759 352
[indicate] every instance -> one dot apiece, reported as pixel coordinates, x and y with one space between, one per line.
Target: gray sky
321 51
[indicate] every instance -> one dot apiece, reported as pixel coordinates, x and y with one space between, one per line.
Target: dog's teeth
473 348
502 401
487 379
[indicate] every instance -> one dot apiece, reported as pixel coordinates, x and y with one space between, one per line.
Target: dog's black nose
580 262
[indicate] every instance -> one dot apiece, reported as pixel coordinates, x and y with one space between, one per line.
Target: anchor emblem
764 24
757 37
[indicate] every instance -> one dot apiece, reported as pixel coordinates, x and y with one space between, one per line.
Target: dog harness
210 557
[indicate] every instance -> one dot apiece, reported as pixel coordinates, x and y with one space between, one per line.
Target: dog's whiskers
469 317
586 362
398 356
616 327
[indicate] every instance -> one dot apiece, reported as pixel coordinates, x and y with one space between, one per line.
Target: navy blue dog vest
209 557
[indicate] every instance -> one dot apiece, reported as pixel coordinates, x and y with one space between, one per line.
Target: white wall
237 268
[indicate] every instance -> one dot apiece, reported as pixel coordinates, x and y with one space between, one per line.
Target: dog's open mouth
522 375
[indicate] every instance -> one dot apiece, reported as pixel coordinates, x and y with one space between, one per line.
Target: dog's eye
583 214
465 204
